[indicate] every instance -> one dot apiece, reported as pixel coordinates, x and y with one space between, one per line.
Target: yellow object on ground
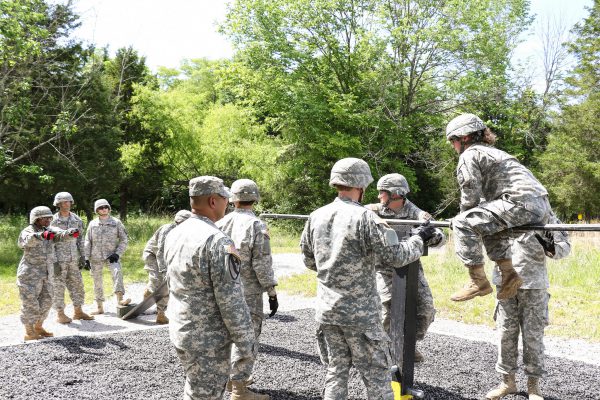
398 392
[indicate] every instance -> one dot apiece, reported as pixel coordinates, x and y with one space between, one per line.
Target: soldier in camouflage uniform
393 204
69 254
252 241
207 312
340 241
154 263
36 268
527 313
105 243
497 193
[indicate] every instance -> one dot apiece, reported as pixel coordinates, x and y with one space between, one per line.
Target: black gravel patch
143 365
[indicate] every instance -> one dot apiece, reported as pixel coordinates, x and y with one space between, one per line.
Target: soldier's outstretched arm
308 256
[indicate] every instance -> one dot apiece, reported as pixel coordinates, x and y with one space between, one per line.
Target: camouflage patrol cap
393 183
351 172
101 202
182 215
63 196
464 125
244 190
205 185
39 212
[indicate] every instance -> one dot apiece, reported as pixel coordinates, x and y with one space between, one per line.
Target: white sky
168 31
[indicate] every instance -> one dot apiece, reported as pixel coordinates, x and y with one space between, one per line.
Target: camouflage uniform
527 313
68 254
35 273
497 193
153 256
251 238
425 308
207 311
103 238
340 241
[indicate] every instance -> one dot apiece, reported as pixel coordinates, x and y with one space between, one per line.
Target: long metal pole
446 224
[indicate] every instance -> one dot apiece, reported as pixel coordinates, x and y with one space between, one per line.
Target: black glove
425 230
273 305
547 242
113 258
87 265
81 263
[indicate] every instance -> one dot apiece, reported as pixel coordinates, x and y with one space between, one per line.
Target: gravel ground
142 365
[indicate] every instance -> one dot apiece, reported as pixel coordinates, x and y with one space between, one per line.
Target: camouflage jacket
70 249
251 238
529 258
105 237
408 211
484 172
341 242
38 254
207 309
153 254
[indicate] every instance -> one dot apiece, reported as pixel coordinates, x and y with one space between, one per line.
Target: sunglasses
103 207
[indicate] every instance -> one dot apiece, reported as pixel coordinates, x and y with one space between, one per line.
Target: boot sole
480 293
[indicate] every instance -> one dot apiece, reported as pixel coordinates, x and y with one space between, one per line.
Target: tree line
311 81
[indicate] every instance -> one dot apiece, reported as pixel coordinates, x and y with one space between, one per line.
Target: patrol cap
244 190
101 202
182 215
464 125
206 185
63 196
39 212
351 172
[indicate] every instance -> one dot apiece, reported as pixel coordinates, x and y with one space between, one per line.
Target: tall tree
571 163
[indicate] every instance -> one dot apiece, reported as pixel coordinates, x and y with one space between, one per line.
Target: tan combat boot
62 318
239 391
147 293
41 331
79 314
120 300
247 382
99 310
533 388
30 333
478 286
511 281
505 388
161 318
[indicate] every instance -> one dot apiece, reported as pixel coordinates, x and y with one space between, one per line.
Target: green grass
574 287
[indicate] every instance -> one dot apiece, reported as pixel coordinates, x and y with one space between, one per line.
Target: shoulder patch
233 261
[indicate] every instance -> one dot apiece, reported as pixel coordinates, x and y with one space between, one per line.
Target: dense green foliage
311 81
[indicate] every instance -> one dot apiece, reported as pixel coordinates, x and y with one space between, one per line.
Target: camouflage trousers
487 226
425 308
155 279
115 272
68 276
242 366
206 372
525 314
369 351
36 299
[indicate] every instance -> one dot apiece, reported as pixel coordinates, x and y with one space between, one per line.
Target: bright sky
168 31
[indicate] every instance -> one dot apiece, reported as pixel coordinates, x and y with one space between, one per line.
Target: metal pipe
446 224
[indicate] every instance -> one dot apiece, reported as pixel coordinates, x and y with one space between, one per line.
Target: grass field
575 281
